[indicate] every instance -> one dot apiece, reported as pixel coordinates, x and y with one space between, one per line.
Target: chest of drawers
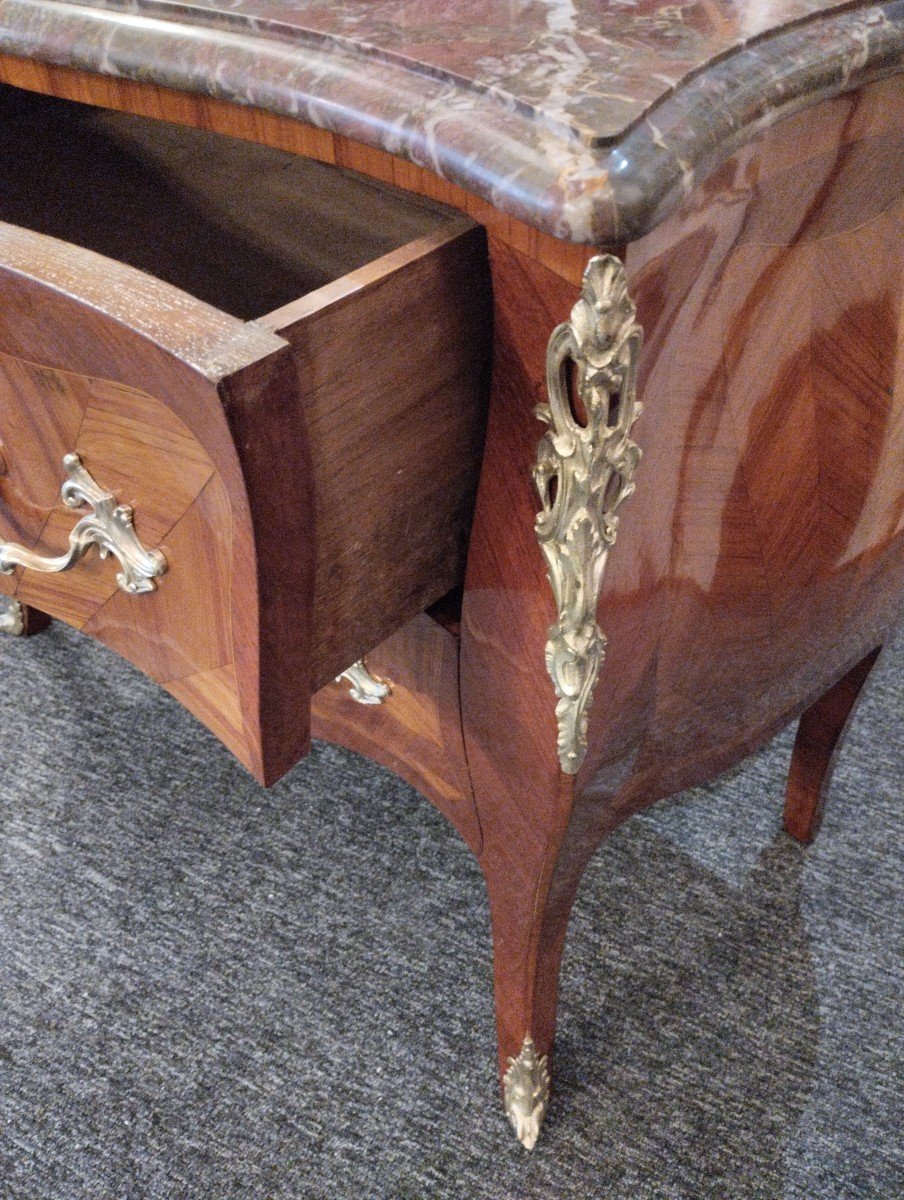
554 364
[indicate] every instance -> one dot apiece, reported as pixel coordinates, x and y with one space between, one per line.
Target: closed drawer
280 367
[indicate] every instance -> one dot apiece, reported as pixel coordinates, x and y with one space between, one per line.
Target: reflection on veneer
760 559
761 556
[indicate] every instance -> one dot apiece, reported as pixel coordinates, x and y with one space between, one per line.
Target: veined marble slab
585 118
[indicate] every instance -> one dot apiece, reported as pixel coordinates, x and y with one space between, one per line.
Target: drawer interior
239 225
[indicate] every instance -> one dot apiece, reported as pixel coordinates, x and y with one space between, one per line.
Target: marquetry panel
780 376
137 449
132 445
183 628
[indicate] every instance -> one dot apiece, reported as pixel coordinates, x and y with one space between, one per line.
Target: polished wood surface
750 573
819 734
360 407
759 561
393 381
416 732
762 555
164 399
137 448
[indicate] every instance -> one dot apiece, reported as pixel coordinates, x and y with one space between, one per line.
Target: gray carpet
213 991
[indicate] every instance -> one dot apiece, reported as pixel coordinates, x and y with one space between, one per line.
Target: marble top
585 118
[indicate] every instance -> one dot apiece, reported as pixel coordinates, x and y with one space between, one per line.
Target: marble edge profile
600 196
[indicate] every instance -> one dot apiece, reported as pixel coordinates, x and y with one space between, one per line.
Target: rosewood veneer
579 410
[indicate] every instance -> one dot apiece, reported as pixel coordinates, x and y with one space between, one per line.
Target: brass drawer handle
109 527
365 688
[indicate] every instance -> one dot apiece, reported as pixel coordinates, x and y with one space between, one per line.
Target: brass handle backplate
109 527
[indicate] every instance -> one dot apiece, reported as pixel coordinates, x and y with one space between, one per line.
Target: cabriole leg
531 646
531 894
818 737
527 941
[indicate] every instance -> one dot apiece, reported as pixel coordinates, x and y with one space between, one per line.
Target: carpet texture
208 990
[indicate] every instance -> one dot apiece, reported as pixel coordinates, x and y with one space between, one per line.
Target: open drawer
279 367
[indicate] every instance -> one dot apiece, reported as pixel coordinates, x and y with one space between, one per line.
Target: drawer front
138 451
152 391
131 445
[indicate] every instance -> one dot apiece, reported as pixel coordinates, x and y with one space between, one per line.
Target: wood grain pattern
172 404
763 553
393 376
416 731
184 630
759 561
128 441
358 411
507 701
